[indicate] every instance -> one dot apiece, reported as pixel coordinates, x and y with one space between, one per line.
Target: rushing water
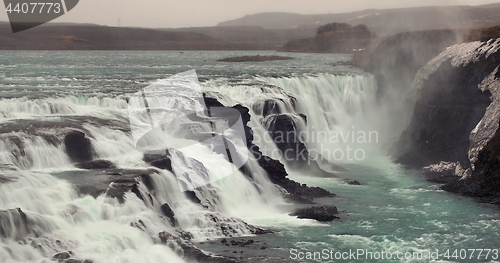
47 93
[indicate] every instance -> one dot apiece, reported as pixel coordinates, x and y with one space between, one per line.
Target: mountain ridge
382 22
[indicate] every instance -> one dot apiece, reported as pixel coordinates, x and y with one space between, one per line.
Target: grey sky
186 13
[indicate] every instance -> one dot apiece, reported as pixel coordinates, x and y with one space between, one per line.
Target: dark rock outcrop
191 195
484 182
455 121
15 224
353 182
62 256
187 250
319 213
4 179
114 182
284 131
161 161
277 174
96 164
225 225
169 213
78 146
451 106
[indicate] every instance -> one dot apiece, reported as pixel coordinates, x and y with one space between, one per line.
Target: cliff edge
453 130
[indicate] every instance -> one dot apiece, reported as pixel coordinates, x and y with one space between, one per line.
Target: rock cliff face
453 130
456 118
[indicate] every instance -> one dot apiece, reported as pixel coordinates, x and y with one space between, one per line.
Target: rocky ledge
319 213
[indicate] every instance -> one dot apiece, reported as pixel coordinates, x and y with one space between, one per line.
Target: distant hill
383 22
58 36
278 20
93 37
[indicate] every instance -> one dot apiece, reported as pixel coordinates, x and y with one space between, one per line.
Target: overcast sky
187 13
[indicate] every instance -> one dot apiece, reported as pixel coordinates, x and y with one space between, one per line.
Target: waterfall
43 212
338 110
48 206
337 117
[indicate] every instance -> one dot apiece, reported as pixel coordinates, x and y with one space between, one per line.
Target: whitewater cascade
335 116
43 212
43 215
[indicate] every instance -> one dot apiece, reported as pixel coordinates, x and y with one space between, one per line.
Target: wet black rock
225 225
147 181
96 164
158 160
187 250
284 131
484 182
319 213
353 182
169 213
270 107
117 189
78 146
191 195
114 183
14 224
62 256
4 179
278 175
